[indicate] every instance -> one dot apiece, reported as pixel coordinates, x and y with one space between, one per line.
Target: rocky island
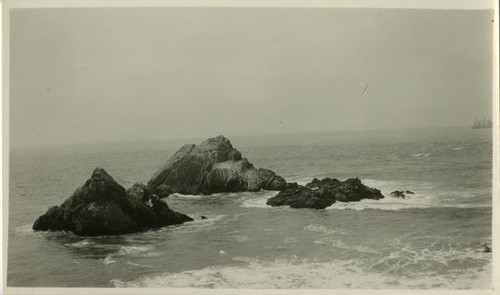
214 166
319 194
103 207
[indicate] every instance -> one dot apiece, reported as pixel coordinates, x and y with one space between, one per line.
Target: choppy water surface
431 240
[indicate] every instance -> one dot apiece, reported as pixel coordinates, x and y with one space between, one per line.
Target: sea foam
258 200
280 273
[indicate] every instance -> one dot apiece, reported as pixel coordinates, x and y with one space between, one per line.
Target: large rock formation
319 194
103 207
211 167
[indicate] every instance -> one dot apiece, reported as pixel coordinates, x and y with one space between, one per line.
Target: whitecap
423 198
81 244
258 200
338 243
125 250
242 239
427 258
387 186
331 242
139 265
152 254
393 204
322 229
108 260
422 155
181 196
300 180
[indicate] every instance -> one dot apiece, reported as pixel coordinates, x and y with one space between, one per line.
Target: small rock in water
401 194
204 217
486 248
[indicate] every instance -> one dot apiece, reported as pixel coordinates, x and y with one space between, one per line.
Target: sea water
432 239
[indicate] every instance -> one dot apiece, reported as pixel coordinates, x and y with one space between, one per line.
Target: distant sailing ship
478 124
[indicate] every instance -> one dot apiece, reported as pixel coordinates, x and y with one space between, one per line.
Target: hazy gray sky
96 75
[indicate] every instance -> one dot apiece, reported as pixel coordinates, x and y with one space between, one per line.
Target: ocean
431 240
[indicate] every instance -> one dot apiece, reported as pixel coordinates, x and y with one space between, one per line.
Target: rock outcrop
319 194
303 197
103 207
213 166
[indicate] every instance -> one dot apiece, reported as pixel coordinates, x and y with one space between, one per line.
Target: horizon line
198 137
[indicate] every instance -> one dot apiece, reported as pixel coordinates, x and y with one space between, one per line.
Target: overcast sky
103 75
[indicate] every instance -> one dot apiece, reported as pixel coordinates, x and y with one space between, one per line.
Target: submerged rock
319 194
486 248
103 207
401 194
213 166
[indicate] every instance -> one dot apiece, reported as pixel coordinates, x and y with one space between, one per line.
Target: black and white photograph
250 146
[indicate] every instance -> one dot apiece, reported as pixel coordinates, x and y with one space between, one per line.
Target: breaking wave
295 273
258 201
424 155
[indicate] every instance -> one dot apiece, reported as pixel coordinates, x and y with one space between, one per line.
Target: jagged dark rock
103 207
303 197
319 194
213 166
352 190
163 191
317 183
270 181
290 185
